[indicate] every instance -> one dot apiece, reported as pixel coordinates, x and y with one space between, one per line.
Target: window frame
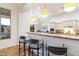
4 16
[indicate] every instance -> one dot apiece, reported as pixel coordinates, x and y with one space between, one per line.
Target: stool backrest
34 41
22 37
57 50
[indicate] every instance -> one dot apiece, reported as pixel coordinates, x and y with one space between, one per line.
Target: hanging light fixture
44 11
68 7
33 17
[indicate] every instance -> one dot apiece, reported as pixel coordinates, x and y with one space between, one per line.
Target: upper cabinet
52 25
77 25
59 26
64 24
69 24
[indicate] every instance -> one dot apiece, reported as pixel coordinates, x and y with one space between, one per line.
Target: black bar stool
57 50
36 45
22 40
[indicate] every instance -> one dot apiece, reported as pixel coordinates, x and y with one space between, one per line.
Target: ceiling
53 8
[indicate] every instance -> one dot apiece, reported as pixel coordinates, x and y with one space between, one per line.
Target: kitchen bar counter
65 36
69 41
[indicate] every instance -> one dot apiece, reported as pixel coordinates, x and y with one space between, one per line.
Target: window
5 28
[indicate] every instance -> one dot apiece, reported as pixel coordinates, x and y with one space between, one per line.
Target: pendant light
68 7
33 17
44 11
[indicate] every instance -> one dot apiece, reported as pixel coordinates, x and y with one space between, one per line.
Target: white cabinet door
53 25
77 25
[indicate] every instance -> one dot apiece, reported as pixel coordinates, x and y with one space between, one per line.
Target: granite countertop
64 36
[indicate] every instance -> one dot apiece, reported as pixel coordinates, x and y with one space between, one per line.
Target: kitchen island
69 41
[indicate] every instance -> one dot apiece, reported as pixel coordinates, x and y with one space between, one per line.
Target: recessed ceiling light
68 7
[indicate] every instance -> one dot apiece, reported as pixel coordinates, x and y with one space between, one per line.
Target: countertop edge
55 35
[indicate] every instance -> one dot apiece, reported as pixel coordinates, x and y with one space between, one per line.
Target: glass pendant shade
68 7
44 12
33 17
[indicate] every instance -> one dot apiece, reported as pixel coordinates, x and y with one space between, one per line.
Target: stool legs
24 49
66 53
48 53
32 52
29 50
37 52
42 50
19 48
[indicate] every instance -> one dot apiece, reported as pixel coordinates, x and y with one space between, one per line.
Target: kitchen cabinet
52 25
69 24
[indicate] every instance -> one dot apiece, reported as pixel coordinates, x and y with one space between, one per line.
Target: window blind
5 12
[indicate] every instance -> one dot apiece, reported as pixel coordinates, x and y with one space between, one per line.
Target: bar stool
57 50
35 45
22 40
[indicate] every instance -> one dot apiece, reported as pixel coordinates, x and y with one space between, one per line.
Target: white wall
24 20
13 40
